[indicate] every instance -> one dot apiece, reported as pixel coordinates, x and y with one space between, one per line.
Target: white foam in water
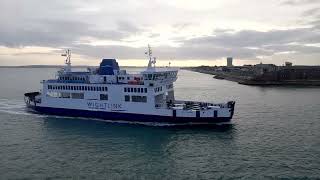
13 107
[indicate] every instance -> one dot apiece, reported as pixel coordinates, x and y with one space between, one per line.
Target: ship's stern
32 99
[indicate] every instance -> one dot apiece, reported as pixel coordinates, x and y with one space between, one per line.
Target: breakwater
265 74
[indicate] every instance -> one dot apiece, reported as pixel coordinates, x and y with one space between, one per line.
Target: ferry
110 94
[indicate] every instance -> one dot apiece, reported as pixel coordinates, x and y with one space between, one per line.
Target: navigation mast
68 60
152 60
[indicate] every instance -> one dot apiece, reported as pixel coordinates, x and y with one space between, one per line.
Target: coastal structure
109 93
229 61
266 74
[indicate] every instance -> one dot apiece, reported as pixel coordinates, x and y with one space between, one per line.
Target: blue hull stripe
118 116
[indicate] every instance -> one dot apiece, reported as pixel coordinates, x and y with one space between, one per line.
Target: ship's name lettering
96 105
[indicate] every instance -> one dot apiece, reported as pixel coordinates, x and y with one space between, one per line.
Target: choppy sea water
275 133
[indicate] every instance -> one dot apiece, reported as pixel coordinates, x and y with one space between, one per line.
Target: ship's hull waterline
128 117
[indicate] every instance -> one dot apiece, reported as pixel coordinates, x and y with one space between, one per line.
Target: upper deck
109 73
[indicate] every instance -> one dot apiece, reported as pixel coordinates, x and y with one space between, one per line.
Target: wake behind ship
111 94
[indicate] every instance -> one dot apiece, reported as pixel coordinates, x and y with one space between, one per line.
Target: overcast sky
185 32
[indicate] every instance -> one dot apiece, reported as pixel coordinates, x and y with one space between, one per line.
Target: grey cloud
311 12
242 45
52 33
126 26
250 38
300 2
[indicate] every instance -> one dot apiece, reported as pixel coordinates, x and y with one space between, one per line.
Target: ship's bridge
161 75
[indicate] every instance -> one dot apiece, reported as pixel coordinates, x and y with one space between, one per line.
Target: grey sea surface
274 134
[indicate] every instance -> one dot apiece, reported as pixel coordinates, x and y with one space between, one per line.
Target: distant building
229 61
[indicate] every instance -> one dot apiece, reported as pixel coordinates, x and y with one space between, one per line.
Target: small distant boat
109 93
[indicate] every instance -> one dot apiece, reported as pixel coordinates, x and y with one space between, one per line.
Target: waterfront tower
229 61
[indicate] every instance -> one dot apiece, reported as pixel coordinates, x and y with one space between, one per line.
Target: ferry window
99 88
106 88
131 89
71 87
82 88
127 98
145 90
125 89
104 79
139 98
103 96
135 90
128 78
138 90
77 95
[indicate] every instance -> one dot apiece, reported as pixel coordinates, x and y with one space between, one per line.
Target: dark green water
275 134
